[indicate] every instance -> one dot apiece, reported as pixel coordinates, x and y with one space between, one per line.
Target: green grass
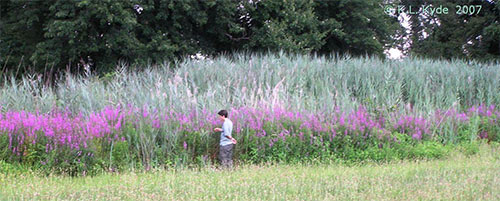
458 177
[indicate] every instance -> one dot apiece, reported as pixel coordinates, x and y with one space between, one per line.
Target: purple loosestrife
462 117
414 126
342 119
283 134
333 134
62 128
483 135
145 112
261 133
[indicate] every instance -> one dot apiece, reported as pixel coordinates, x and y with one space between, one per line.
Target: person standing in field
227 142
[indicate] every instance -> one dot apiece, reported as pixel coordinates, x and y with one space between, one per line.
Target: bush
15 169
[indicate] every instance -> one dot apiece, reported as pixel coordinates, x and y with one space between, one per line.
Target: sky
394 53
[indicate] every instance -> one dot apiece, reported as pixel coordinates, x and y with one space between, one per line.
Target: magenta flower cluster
75 131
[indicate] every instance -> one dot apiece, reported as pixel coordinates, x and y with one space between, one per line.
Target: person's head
222 114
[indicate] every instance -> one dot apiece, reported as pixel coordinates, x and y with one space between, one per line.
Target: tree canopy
54 35
471 30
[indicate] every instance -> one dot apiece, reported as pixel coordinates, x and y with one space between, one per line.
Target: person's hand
217 129
234 141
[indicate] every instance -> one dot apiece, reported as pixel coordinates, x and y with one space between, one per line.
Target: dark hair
223 113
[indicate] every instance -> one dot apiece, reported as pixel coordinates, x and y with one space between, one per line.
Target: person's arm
232 139
227 132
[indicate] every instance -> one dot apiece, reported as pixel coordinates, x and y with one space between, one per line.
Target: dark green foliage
58 35
358 27
287 25
21 29
14 169
169 29
461 36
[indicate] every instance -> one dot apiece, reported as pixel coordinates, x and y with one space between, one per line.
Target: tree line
54 35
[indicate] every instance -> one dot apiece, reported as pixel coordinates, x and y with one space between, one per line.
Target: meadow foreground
458 177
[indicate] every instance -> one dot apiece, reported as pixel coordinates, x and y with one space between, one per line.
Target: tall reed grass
313 83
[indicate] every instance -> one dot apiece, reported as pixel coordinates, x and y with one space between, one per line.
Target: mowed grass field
458 177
